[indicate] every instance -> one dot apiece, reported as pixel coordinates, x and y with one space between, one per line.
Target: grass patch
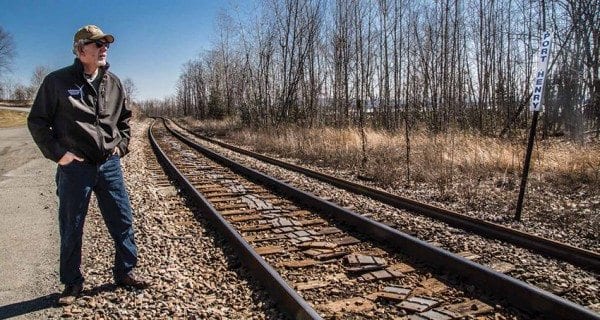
440 159
10 118
458 170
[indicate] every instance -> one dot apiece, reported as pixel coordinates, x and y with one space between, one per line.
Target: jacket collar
78 67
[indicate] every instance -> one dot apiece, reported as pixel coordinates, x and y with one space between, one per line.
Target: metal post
536 105
526 165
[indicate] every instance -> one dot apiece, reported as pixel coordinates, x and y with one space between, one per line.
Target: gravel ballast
560 278
194 274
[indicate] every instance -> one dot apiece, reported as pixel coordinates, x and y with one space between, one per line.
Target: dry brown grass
10 118
566 163
440 159
214 127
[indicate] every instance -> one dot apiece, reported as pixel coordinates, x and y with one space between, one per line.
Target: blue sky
153 39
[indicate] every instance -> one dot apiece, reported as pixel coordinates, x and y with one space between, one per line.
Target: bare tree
21 92
448 63
130 89
3 90
37 78
7 50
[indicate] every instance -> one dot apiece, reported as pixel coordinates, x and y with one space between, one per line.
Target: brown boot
131 280
70 294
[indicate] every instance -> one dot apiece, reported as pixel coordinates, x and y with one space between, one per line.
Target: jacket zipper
97 114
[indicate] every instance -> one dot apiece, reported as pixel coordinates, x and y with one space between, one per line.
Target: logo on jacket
76 92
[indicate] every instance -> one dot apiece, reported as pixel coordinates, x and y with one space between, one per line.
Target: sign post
536 106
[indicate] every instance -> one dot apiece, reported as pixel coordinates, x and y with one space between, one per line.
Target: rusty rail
288 300
515 292
558 250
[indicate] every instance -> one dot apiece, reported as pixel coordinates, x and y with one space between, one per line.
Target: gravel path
24 109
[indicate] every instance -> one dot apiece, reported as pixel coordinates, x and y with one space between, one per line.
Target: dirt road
29 238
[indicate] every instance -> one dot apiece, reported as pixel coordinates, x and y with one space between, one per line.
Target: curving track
555 249
339 261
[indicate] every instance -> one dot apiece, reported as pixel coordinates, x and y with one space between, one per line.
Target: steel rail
577 256
289 302
517 293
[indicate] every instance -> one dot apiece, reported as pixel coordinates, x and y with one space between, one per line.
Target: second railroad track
320 260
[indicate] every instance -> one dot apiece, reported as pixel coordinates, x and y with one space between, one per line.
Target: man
80 120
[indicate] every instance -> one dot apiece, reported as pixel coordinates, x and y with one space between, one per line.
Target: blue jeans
75 183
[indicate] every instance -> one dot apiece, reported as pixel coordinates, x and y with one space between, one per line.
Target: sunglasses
99 44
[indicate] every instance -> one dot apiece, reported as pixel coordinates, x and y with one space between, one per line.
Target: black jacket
69 115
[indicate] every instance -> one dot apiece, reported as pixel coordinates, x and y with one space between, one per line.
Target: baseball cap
92 32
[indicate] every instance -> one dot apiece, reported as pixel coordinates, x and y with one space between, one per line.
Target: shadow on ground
29 306
45 302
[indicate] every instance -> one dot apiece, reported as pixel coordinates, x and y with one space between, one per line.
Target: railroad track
577 256
314 255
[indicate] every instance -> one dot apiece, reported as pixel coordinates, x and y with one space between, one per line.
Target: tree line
395 64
